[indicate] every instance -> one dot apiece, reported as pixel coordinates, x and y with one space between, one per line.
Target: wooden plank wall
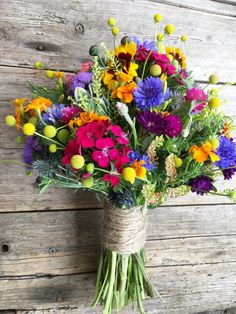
49 243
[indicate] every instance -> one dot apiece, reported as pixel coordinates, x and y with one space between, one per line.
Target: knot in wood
79 28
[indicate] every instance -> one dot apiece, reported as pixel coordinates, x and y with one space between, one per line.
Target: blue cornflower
53 114
227 153
149 45
149 93
135 156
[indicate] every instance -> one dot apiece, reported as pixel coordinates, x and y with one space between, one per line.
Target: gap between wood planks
180 4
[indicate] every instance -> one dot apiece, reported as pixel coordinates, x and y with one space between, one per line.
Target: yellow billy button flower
213 79
111 21
10 120
160 37
129 174
77 161
88 182
155 70
53 148
49 131
63 136
184 38
178 162
169 29
49 74
214 103
38 65
115 30
28 129
157 18
90 168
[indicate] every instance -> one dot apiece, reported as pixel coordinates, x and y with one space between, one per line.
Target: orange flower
18 104
39 103
58 74
125 93
86 117
139 169
201 154
226 130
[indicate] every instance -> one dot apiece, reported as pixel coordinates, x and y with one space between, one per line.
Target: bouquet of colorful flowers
133 126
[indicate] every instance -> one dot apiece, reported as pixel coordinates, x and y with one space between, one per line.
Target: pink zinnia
85 66
87 134
198 95
105 152
71 149
112 178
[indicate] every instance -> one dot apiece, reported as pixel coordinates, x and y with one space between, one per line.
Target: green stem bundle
122 279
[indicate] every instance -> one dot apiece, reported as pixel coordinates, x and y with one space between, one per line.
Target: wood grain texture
49 243
194 288
68 242
61 34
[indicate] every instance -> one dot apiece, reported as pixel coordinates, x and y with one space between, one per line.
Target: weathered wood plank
210 6
62 39
68 242
195 288
75 311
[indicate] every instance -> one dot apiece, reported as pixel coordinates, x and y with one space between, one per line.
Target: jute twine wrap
124 231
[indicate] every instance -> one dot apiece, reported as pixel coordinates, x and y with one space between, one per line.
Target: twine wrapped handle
124 231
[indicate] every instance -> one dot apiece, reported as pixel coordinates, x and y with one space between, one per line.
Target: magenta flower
68 113
112 178
122 137
196 94
88 134
105 152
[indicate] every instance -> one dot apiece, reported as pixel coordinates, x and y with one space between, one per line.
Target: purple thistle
201 184
133 155
228 173
80 80
149 93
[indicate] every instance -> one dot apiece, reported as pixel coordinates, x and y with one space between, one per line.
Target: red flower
112 178
106 152
87 134
122 137
71 149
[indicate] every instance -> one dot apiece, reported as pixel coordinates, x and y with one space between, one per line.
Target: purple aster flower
173 125
228 173
161 125
133 155
201 184
53 114
149 93
227 153
80 80
30 147
149 45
